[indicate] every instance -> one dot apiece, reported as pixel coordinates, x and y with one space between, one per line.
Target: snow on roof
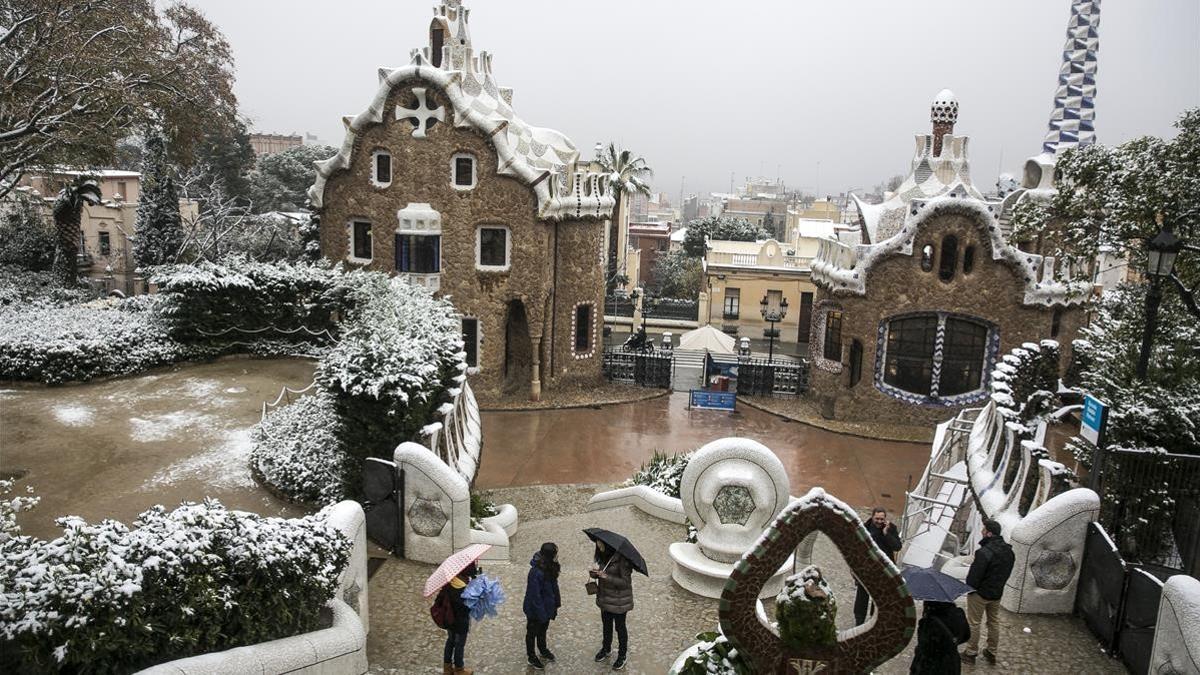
727 246
98 173
815 228
524 151
679 235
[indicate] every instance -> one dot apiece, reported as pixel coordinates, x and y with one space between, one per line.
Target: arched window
462 171
935 355
381 171
949 259
968 260
927 258
1056 321
437 40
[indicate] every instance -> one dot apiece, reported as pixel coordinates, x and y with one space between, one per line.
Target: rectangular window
806 305
963 355
493 247
121 190
105 244
419 253
464 171
583 328
909 357
833 336
361 246
383 168
733 297
470 333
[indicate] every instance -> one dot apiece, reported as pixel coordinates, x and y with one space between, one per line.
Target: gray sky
709 87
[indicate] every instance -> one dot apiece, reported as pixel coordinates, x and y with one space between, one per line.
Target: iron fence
670 308
1151 506
758 377
618 306
644 369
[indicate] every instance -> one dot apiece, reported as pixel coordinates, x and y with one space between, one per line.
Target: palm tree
627 176
68 210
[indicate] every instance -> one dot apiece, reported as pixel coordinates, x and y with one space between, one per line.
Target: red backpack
442 610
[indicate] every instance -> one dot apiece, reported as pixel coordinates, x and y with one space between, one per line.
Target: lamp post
1160 263
772 315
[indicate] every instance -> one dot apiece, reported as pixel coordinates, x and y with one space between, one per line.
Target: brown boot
447 669
463 671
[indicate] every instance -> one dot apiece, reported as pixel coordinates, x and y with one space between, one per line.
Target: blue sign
713 400
1095 414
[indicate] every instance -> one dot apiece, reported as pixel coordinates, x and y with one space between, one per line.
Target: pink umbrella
451 566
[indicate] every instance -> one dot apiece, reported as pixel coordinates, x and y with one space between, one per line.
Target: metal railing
652 369
618 306
759 377
670 308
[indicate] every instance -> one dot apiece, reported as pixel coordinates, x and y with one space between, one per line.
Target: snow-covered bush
806 611
21 286
1025 382
399 354
53 344
298 450
10 507
713 654
109 598
242 297
662 472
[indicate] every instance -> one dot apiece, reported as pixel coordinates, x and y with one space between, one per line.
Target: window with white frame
583 328
360 241
493 248
418 240
381 171
733 297
462 171
470 334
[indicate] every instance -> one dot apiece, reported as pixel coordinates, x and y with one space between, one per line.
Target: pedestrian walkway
665 618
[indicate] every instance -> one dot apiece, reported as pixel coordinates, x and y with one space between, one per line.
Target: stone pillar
637 309
702 314
535 385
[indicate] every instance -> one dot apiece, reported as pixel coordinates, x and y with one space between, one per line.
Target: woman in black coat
943 627
542 601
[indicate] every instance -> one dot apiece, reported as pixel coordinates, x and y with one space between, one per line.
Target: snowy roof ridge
844 269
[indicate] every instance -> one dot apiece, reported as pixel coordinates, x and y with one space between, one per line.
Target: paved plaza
665 619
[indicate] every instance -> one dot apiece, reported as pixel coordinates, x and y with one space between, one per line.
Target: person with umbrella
451 578
943 626
615 560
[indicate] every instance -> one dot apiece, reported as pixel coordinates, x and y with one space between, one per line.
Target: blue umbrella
482 596
926 583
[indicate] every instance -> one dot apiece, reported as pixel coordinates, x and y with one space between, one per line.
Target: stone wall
421 173
993 292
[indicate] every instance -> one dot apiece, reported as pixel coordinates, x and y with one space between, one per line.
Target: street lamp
1161 252
772 315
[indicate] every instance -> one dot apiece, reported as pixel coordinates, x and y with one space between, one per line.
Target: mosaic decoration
857 650
816 336
991 353
424 113
591 351
733 505
1073 119
1053 570
427 517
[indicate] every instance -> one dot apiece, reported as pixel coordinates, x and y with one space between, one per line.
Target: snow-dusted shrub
21 286
53 344
10 507
109 598
398 355
1025 382
662 472
806 611
715 655
298 450
240 297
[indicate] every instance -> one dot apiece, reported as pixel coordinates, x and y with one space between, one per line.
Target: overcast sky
826 95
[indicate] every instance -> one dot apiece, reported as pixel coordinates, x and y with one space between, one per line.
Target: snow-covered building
908 324
440 180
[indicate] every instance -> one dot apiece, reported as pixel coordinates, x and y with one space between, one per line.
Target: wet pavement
114 448
609 444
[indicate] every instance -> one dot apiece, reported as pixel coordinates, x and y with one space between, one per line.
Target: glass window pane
470 333
833 336
583 327
493 244
383 168
464 169
909 360
962 357
419 254
362 240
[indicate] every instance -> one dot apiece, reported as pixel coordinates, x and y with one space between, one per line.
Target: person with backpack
451 613
943 627
542 601
989 572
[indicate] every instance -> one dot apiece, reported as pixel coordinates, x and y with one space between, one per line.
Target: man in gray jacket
989 572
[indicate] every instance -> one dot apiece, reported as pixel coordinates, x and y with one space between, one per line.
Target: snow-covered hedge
241 297
298 450
662 472
108 598
51 343
713 654
1025 382
806 611
20 286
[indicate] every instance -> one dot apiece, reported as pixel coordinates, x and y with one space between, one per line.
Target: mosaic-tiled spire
1073 120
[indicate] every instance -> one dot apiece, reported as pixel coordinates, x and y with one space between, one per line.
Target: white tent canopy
708 338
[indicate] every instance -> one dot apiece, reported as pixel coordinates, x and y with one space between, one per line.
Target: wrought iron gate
762 378
647 369
383 499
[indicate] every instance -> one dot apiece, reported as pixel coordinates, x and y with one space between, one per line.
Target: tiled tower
1072 122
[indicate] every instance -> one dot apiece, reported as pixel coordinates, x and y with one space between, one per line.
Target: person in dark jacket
542 601
614 597
943 627
989 572
456 635
883 532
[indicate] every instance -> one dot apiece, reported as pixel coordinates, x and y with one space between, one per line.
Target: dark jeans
455 644
862 601
610 619
535 631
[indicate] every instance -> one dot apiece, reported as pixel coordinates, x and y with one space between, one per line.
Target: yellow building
740 275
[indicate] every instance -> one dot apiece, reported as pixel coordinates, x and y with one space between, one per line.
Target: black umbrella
926 583
619 544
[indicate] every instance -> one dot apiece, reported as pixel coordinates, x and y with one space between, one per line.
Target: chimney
943 113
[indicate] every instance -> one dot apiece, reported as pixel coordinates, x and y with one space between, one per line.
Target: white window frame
473 370
375 168
592 337
479 249
454 171
350 249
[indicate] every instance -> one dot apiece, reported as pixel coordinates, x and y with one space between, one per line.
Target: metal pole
771 346
1153 299
401 539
